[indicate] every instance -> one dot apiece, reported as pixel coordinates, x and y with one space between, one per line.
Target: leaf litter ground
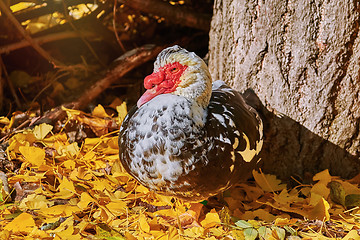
65 182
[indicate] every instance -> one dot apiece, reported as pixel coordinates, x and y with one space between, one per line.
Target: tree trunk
302 60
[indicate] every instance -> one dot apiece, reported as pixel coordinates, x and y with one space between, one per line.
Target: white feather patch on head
195 81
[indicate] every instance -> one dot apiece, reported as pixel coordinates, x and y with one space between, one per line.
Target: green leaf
1 194
337 193
243 224
352 200
13 215
264 232
290 230
280 232
103 231
250 234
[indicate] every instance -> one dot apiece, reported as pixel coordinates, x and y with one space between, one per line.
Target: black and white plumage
187 137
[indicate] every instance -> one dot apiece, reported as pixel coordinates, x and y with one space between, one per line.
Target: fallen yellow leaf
122 111
129 236
211 219
4 120
320 189
40 131
323 177
33 155
99 111
258 213
70 150
117 208
350 188
144 226
352 235
268 182
85 200
173 234
59 210
66 189
22 223
315 199
27 177
194 232
320 211
71 112
34 201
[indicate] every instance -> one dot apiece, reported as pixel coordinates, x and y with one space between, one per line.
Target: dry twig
43 39
114 27
9 83
174 14
6 11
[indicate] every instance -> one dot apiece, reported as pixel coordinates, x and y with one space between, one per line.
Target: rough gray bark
302 60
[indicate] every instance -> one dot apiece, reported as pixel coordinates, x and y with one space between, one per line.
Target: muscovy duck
188 137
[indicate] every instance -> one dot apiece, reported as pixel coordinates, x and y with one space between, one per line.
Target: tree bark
301 57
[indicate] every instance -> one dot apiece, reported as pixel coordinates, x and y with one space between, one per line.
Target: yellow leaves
122 111
352 235
80 173
212 219
320 189
33 155
142 189
117 207
40 131
66 230
23 223
66 189
34 201
267 182
259 214
102 185
194 232
143 225
25 138
85 200
69 150
129 236
99 111
79 190
27 177
69 164
323 177
99 122
314 207
59 210
20 6
4 121
286 198
320 211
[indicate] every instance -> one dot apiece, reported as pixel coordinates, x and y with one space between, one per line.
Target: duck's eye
174 69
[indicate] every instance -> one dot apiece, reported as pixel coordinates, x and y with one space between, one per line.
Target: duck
188 136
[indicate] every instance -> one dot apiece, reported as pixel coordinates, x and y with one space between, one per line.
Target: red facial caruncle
165 80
